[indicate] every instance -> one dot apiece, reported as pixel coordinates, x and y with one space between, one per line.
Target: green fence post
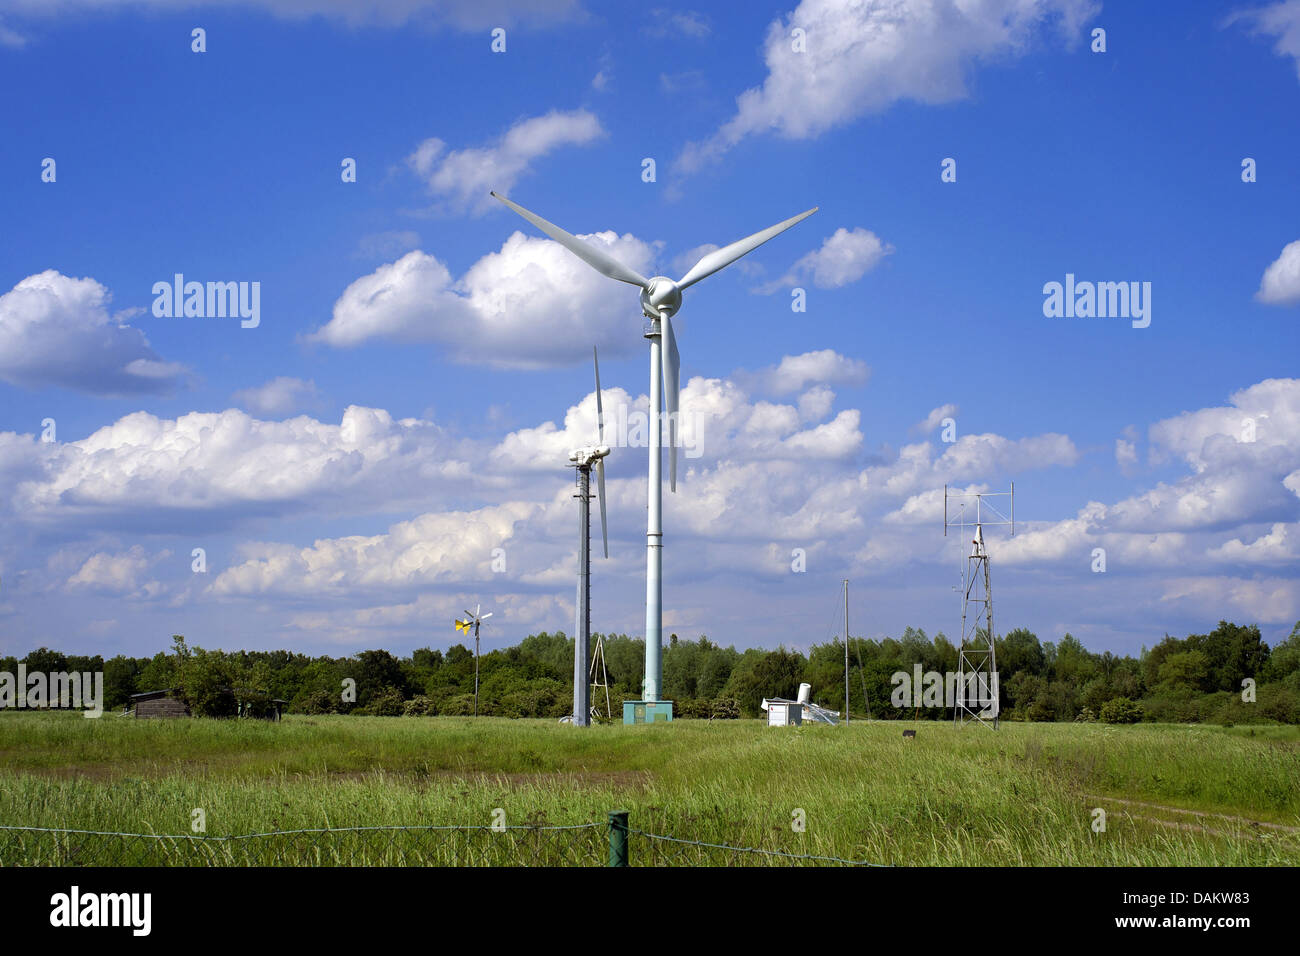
618 838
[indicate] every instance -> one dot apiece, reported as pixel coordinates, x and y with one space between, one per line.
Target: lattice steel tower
976 691
584 460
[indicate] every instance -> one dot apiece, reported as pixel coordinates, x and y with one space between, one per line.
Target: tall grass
1021 796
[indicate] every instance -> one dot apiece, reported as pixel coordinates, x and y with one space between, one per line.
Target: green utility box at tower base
647 711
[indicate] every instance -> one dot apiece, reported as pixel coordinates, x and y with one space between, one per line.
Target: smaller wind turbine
584 459
474 620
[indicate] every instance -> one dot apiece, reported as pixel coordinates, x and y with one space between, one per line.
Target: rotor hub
662 295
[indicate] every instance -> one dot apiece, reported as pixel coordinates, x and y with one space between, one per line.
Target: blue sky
329 530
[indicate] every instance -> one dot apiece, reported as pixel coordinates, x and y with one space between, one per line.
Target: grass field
1025 795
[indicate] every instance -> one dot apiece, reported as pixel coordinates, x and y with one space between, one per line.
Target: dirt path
1246 822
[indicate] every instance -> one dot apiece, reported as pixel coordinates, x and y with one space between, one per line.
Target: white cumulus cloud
935 418
1281 545
860 58
843 258
532 304
218 467
465 177
1280 284
119 573
796 372
56 330
279 396
430 549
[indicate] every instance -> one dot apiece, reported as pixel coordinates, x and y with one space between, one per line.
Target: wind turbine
583 460
474 620
661 297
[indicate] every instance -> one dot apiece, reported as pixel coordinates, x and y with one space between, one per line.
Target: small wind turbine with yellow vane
473 620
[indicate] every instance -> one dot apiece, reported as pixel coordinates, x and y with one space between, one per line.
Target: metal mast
846 651
582 626
474 619
654 529
584 459
976 697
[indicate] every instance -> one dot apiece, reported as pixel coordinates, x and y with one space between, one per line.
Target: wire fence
660 850
613 843
583 845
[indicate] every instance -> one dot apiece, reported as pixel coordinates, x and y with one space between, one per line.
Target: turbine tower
583 460
661 297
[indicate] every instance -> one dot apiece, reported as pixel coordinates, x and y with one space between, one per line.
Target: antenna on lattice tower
976 697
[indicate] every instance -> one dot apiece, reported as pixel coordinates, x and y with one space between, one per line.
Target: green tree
121 679
1233 652
1027 693
1285 657
1183 673
377 672
387 702
1121 710
1074 664
205 681
715 669
45 661
775 673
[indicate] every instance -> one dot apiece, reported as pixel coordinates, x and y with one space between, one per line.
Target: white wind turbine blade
598 259
721 258
600 411
672 366
600 484
487 615
600 462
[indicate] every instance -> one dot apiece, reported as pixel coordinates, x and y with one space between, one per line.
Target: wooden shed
246 703
159 703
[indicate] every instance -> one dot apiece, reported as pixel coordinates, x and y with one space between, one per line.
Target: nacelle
661 295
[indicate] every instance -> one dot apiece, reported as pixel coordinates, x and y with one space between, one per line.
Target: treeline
1229 675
